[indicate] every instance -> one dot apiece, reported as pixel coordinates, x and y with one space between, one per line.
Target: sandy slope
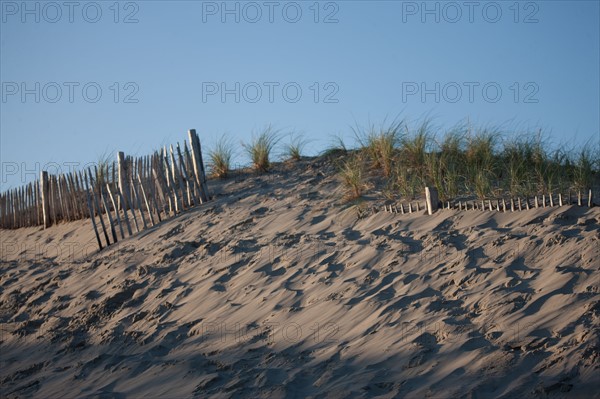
279 289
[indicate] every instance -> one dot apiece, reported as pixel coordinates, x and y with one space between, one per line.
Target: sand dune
277 288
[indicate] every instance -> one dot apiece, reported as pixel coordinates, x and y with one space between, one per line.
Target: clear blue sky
370 60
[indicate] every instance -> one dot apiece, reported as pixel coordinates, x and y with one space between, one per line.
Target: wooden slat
161 191
45 194
177 180
143 192
73 196
91 211
196 149
153 190
116 210
191 196
137 201
102 197
96 204
125 196
174 207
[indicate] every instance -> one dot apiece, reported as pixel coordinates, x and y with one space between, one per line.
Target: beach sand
279 288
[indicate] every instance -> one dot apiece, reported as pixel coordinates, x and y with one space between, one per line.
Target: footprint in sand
427 345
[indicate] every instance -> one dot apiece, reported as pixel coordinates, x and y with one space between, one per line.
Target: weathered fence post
146 200
103 202
45 198
96 204
431 196
177 179
136 200
52 196
590 202
191 195
124 191
123 182
198 164
161 190
91 209
174 201
112 200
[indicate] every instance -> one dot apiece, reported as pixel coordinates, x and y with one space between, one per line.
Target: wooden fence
499 205
121 197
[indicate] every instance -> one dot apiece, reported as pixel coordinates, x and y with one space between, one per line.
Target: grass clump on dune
352 173
481 162
220 157
514 158
474 163
408 184
414 147
261 147
584 162
294 149
380 145
452 150
409 164
336 148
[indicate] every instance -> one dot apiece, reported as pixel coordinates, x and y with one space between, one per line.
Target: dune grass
582 171
514 158
414 147
352 173
470 162
380 145
531 167
452 154
408 184
295 147
337 147
220 157
261 147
